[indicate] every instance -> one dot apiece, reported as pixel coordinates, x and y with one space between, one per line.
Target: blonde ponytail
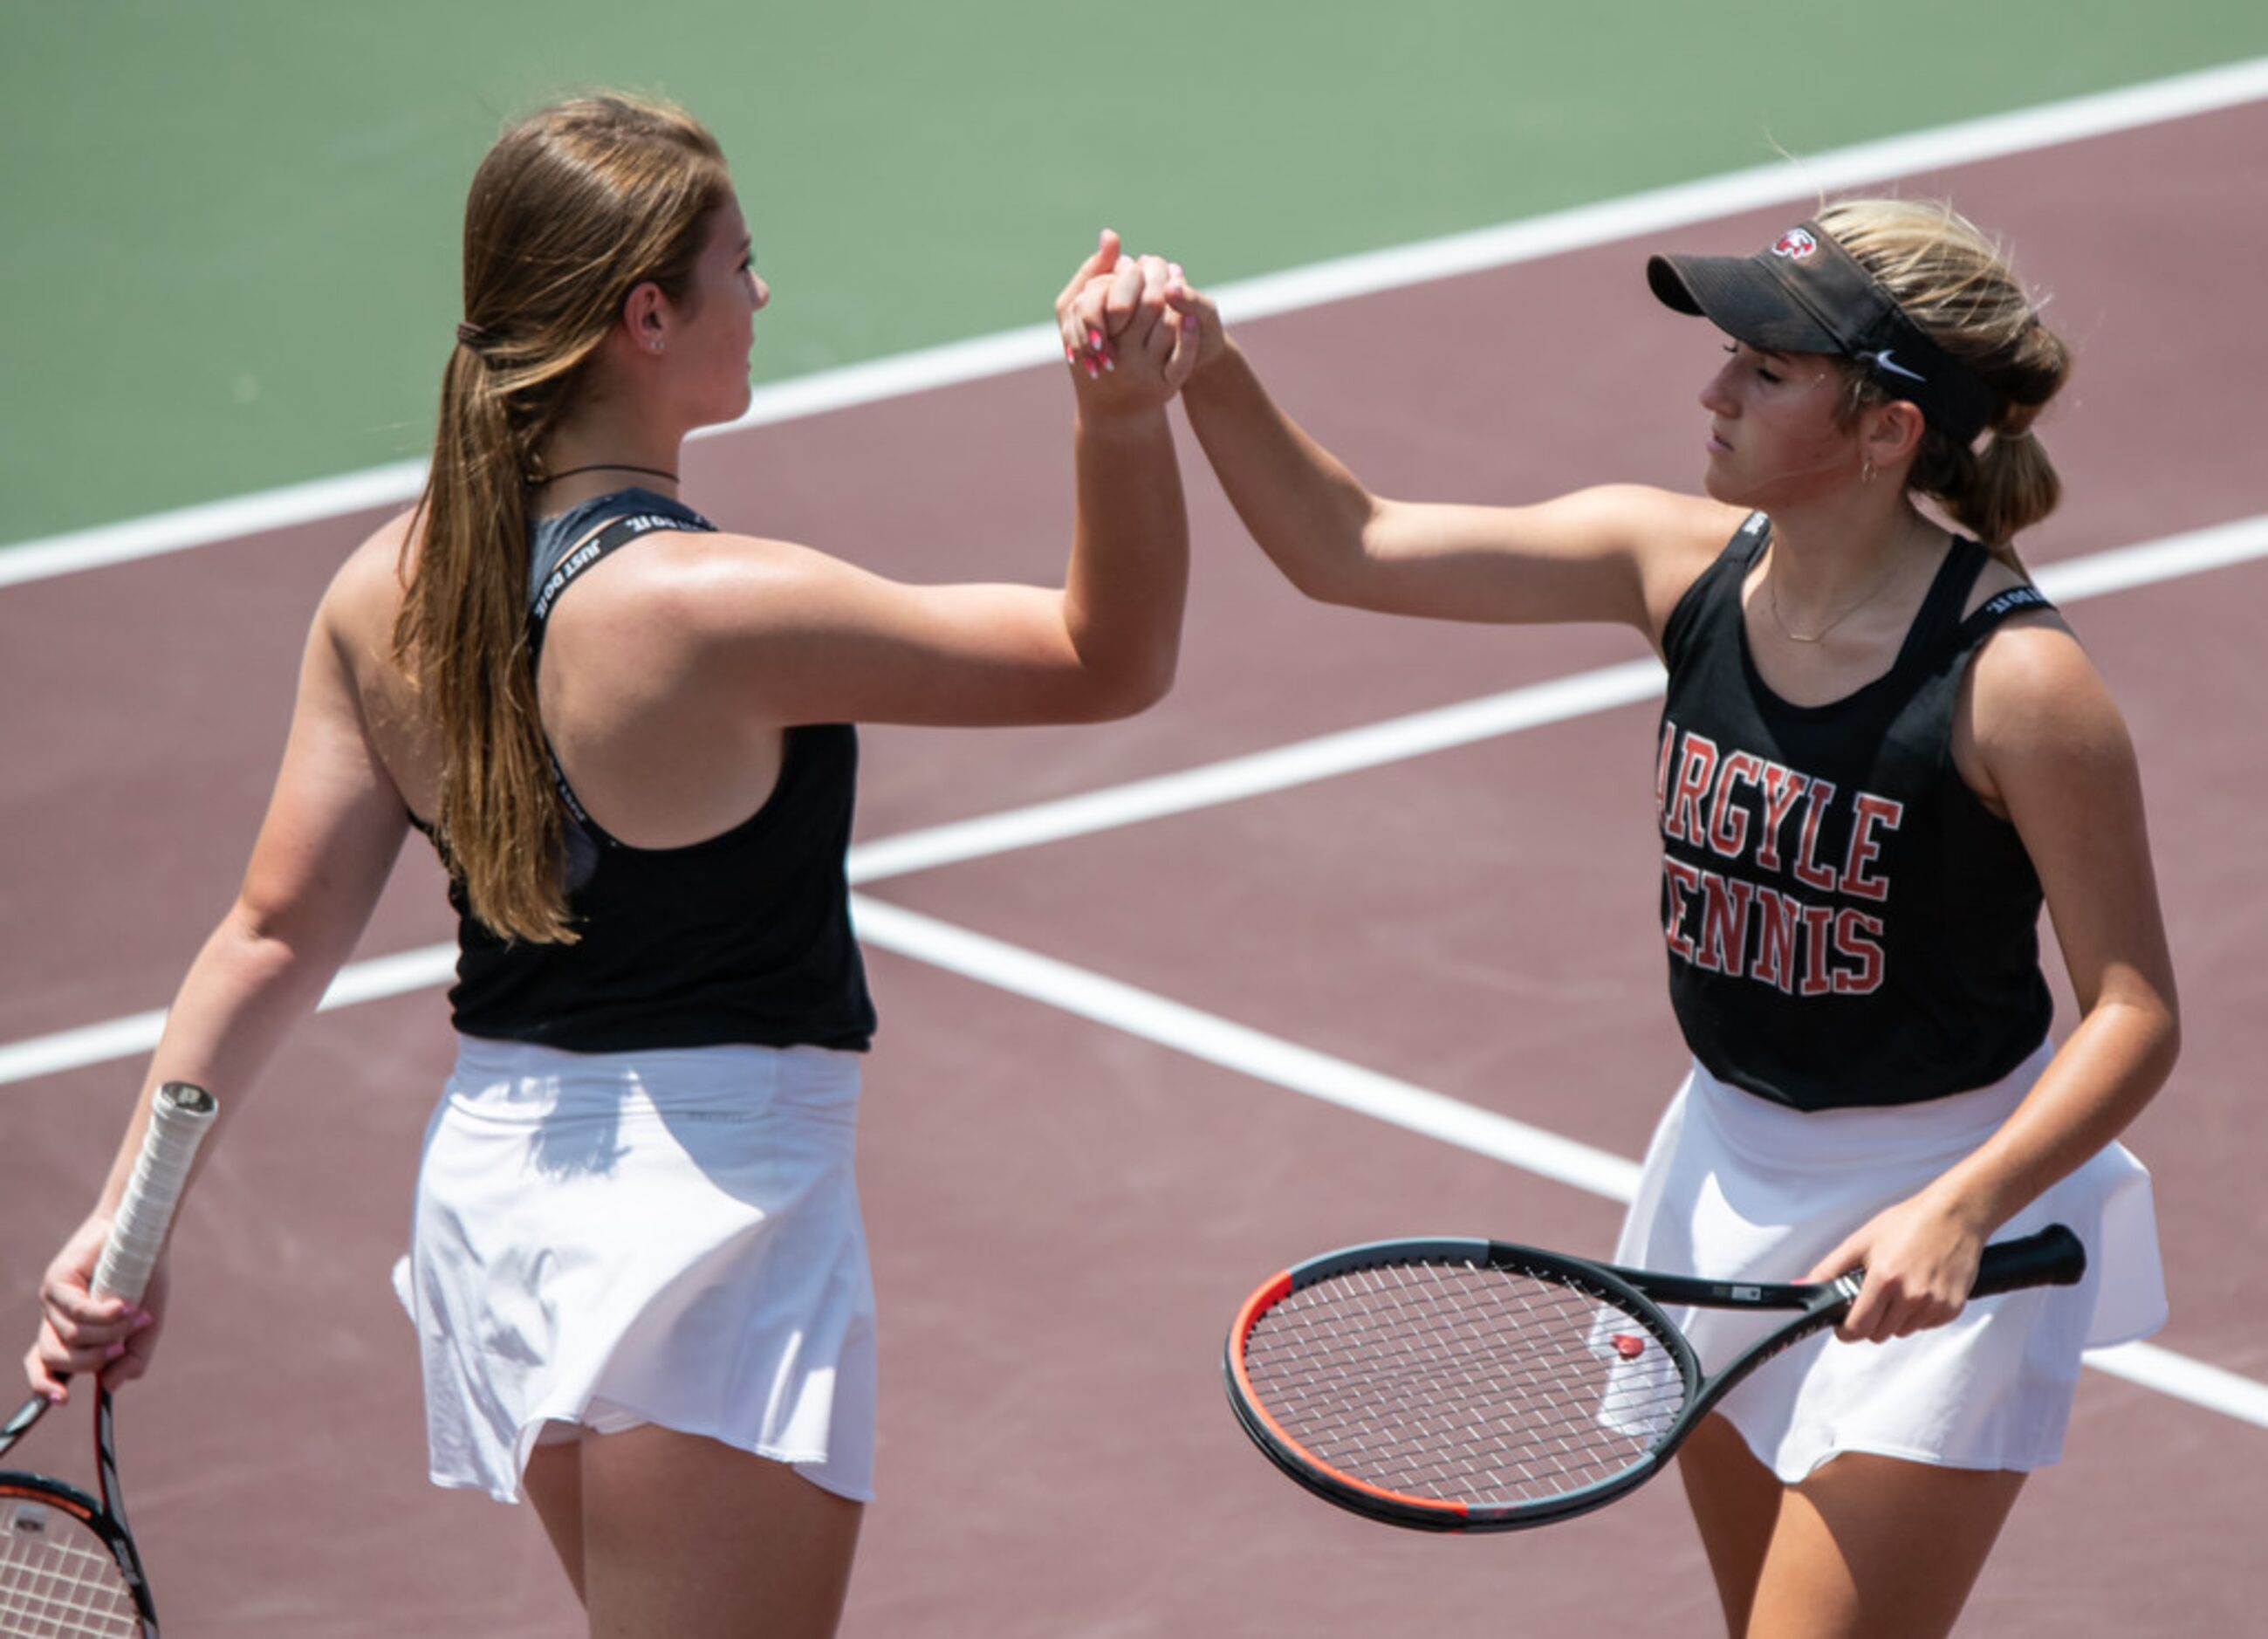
1955 284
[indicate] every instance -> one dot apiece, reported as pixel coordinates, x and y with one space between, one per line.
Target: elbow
1323 583
1130 690
1340 565
275 945
2170 1041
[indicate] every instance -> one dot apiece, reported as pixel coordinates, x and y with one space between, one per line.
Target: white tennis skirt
1736 1187
604 1240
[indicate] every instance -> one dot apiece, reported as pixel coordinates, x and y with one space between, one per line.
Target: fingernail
1108 363
143 1317
1094 339
1091 371
113 1351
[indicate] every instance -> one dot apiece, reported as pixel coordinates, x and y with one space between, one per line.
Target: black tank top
1847 923
743 938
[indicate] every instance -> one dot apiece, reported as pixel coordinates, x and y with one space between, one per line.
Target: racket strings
1463 1383
57 1578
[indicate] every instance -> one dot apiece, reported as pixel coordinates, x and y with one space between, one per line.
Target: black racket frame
106 1517
2052 1256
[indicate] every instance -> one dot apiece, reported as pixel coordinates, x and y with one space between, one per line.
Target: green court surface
230 260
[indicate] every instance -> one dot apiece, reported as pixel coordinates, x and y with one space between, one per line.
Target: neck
602 449
1827 554
1836 577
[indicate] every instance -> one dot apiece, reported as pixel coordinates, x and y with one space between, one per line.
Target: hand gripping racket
1474 1386
68 1564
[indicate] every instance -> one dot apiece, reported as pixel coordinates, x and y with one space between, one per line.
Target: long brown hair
573 208
1954 283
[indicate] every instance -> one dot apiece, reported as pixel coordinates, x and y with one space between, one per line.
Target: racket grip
180 1116
2052 1257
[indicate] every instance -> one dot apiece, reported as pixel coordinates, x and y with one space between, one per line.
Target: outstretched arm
1622 553
803 636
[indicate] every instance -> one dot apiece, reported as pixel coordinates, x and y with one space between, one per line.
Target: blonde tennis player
1880 751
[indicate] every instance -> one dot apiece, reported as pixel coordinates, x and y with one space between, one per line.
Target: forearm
2098 1081
1308 511
246 989
1129 574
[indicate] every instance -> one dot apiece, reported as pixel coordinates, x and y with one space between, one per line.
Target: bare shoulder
366 591
2035 711
729 585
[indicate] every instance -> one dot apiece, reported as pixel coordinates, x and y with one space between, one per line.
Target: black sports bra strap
593 549
1989 614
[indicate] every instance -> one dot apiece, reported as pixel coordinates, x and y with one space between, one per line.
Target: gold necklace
1771 602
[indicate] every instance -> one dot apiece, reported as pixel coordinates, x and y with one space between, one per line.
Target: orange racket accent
1262 1301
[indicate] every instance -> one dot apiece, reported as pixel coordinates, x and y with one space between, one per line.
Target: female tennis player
638 1272
1881 749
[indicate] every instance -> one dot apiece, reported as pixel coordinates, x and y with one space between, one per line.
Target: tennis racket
1475 1385
68 1564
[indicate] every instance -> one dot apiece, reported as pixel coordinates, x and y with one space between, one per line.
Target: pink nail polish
113 1351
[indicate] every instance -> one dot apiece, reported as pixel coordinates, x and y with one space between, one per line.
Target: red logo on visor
1795 245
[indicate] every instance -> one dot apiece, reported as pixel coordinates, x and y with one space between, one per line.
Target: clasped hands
1133 331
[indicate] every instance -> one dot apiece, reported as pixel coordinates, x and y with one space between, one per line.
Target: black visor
1807 294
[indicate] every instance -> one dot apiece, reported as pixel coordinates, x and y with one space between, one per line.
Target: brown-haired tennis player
1880 750
638 1273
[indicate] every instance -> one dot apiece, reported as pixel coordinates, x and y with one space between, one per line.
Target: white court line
1278 769
1654 210
1215 1040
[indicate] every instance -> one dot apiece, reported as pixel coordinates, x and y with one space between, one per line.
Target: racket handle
180 1117
2052 1257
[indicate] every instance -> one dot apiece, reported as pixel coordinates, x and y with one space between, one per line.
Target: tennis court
1170 1003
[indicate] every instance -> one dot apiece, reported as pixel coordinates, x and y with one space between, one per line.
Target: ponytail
461 635
1954 283
568 212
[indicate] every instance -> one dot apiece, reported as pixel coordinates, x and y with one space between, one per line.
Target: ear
1889 434
645 317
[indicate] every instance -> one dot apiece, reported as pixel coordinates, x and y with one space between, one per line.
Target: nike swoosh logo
1882 361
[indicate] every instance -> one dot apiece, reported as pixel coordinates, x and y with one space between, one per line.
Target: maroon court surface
1064 1216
